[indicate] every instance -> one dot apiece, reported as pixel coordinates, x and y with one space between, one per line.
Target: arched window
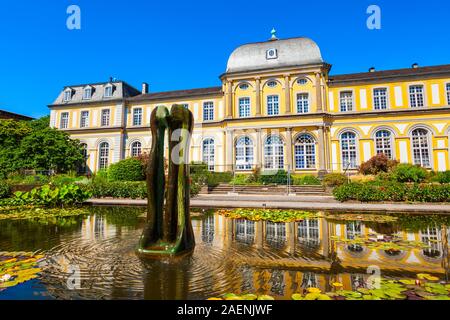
348 150
208 153
308 232
383 143
136 149
305 152
84 152
244 153
273 153
421 148
103 155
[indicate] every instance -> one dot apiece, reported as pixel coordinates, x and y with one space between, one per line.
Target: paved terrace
292 202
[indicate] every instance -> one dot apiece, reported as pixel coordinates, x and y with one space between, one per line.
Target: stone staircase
266 190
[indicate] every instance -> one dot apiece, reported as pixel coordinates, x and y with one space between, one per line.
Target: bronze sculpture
169 230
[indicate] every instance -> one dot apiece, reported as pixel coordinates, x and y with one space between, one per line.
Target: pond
231 256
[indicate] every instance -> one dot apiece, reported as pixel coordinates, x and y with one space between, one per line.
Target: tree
11 134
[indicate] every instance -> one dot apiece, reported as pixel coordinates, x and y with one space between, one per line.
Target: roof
11 115
178 94
121 90
390 74
289 52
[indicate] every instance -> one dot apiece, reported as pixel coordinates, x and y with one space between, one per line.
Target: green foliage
243 179
308 180
130 169
278 177
215 178
441 177
409 173
371 192
377 164
5 190
20 179
335 179
66 195
117 189
272 215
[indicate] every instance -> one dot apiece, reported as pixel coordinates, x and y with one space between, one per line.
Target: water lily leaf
324 297
314 290
312 296
266 297
249 297
214 298
297 296
228 295
441 297
408 282
337 284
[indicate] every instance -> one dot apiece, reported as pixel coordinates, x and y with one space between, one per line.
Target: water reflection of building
281 258
95 227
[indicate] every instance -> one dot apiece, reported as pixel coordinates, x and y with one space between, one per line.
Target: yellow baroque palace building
278 107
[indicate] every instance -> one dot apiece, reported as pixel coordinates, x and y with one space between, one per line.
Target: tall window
273 105
105 117
273 153
103 155
275 234
302 103
433 238
64 124
244 107
348 149
421 148
67 95
245 231
84 121
208 153
208 111
136 149
346 101
380 99
83 167
87 93
244 153
137 116
308 232
416 98
448 93
354 230
108 91
305 152
383 143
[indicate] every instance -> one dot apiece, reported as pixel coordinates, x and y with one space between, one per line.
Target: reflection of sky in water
231 256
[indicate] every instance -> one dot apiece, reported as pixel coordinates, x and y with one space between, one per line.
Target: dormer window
87 93
68 95
108 91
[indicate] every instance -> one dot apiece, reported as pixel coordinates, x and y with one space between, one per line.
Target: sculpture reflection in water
169 230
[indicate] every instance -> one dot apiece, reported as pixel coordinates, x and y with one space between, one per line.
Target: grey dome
291 52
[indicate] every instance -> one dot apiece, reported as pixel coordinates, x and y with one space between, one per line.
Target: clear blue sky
186 44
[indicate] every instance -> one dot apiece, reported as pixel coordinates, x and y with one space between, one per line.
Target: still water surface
230 256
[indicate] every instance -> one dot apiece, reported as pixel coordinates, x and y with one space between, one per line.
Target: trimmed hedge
117 189
397 192
305 180
335 179
130 169
5 190
409 173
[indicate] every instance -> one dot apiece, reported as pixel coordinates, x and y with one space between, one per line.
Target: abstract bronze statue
169 229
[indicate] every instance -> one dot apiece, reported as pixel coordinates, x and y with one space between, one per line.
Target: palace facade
278 107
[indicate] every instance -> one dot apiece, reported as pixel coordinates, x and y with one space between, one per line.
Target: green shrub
130 169
409 173
346 191
240 179
215 178
308 180
278 177
442 177
117 189
335 179
198 168
5 190
66 195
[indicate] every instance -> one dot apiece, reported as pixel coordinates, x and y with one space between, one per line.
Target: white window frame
244 153
410 95
208 110
247 107
67 95
136 148
103 155
447 91
383 147
87 97
102 117
309 158
352 101
421 149
349 151
308 101
273 158
273 104
138 115
64 121
209 153
374 98
105 95
84 121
